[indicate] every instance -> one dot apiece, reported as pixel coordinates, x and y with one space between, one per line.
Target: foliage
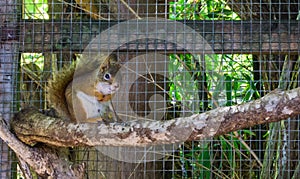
35 9
229 81
201 10
35 58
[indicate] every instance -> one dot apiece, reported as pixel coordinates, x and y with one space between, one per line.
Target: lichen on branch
31 126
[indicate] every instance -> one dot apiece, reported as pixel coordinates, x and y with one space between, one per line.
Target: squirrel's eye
106 76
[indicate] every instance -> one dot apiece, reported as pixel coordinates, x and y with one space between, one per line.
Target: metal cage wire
253 51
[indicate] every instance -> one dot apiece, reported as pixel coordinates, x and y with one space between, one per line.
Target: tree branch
44 160
32 126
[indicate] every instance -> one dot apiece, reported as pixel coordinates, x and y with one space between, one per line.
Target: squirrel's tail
56 90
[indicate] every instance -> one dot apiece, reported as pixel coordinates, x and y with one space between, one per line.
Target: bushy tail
56 90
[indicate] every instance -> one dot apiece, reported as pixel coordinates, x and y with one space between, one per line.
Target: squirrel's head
107 82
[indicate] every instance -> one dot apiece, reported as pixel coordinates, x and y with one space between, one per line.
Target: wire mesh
253 49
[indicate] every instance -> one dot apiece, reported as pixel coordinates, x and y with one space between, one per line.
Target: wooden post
8 54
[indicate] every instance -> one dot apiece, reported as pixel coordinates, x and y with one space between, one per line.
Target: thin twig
89 12
161 88
249 149
130 9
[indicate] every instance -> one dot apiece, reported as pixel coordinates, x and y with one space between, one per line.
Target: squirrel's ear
111 59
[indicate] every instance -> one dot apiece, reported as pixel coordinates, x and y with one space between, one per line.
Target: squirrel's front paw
50 112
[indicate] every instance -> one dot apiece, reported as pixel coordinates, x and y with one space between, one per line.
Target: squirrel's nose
116 85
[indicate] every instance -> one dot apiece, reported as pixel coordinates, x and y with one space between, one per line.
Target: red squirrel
85 97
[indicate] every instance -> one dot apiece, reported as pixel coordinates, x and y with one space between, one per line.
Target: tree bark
44 160
33 127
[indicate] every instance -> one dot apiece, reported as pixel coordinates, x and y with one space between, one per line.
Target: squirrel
83 95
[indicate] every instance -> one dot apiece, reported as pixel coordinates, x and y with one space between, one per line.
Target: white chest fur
92 107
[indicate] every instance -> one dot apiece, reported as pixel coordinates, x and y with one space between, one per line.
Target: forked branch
31 127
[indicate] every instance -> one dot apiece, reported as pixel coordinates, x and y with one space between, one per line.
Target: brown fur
56 90
60 87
